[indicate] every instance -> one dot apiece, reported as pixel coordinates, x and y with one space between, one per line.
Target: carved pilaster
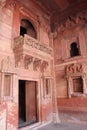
69 86
19 59
84 84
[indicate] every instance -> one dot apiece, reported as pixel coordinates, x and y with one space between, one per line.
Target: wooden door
31 102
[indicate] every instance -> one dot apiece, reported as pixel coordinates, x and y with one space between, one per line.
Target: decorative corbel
44 66
36 64
27 61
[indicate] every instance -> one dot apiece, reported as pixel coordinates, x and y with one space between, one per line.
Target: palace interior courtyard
43 64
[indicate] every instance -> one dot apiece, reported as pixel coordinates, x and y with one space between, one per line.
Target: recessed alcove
26 27
76 79
74 51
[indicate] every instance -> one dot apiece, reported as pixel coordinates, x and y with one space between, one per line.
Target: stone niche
76 78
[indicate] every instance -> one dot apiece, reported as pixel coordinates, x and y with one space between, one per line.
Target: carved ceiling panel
58 10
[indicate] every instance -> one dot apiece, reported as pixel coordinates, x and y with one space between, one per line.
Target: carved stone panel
74 69
8 65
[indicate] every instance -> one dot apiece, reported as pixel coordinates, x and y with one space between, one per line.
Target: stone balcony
27 49
31 45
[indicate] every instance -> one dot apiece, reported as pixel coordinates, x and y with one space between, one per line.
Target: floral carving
74 68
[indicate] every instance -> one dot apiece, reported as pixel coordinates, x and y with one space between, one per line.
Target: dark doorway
22 102
74 50
23 31
27 28
27 103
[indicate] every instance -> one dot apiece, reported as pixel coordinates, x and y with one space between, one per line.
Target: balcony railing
31 44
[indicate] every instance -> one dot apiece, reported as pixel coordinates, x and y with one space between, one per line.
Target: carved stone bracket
44 66
36 64
29 51
27 61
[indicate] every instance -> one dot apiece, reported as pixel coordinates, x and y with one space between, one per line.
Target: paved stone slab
64 126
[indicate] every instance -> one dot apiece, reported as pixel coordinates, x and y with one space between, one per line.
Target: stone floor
72 116
64 126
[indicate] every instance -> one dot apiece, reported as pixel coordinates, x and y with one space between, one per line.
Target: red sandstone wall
62 56
6 18
3 116
61 83
76 107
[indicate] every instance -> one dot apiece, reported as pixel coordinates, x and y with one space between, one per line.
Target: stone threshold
35 126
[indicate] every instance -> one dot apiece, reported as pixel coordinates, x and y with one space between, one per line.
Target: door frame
38 99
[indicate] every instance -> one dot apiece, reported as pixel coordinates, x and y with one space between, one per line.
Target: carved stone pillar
69 86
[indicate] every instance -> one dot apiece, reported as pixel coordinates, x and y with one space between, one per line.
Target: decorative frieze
74 69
